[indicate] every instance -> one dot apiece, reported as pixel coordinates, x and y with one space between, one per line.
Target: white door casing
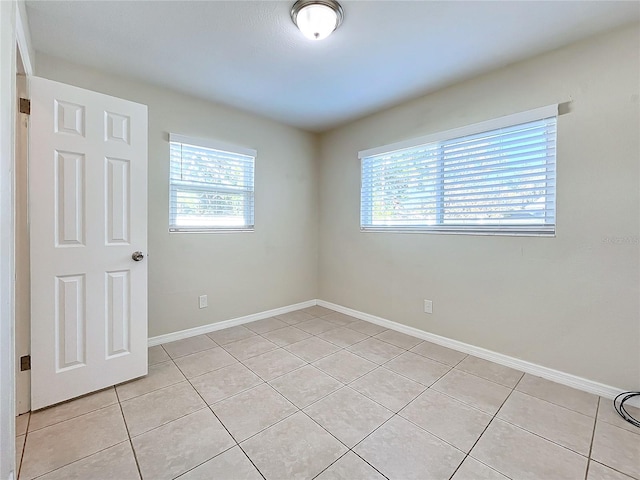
88 215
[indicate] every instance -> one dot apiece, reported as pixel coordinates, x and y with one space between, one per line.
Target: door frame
14 48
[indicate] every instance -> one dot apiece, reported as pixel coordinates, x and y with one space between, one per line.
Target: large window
211 186
495 177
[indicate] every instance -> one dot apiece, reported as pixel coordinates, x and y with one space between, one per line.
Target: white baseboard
212 327
557 376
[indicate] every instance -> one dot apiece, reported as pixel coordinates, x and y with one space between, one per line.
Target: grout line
24 447
593 436
625 475
41 475
344 385
126 426
556 405
207 460
368 463
331 464
483 432
225 427
252 463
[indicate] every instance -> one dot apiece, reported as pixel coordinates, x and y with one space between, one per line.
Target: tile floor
318 394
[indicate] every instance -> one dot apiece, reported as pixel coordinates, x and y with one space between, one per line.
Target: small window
211 186
495 177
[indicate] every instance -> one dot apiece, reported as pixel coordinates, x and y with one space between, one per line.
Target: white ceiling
248 54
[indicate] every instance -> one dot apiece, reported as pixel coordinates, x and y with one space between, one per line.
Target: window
495 177
211 186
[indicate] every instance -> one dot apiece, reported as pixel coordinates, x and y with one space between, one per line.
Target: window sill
211 230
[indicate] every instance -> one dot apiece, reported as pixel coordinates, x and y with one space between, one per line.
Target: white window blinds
498 177
211 186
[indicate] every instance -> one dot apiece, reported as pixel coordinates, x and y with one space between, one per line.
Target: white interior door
88 215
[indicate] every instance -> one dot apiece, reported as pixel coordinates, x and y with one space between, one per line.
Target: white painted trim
557 376
23 38
212 327
486 126
7 236
214 144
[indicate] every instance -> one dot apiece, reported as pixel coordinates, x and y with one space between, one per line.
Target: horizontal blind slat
496 177
210 189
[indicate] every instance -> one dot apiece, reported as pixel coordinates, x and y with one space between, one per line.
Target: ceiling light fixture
316 19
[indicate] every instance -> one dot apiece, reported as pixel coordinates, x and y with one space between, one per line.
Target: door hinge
25 363
25 106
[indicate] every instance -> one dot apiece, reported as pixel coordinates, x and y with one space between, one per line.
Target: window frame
216 189
538 114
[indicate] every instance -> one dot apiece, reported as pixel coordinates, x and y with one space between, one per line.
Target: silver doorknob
137 256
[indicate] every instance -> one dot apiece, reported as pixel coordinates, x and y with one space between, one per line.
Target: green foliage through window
501 180
210 189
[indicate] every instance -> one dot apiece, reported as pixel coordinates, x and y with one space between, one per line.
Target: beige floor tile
617 448
389 389
274 364
367 328
607 413
475 391
400 450
345 366
204 362
19 449
223 383
187 346
114 463
230 335
417 368
490 371
510 450
317 311
350 467
293 318
439 353
249 347
265 325
72 408
601 472
252 411
294 449
317 326
558 424
446 418
376 350
340 318
286 336
348 415
162 406
343 337
581 402
312 349
179 446
304 386
21 424
232 464
63 443
471 469
157 354
159 376
399 339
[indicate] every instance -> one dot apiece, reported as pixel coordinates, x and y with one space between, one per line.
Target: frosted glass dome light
316 19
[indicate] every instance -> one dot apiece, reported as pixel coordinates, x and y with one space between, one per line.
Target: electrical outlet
203 301
428 306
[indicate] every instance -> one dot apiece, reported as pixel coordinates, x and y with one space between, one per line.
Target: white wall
242 273
571 302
